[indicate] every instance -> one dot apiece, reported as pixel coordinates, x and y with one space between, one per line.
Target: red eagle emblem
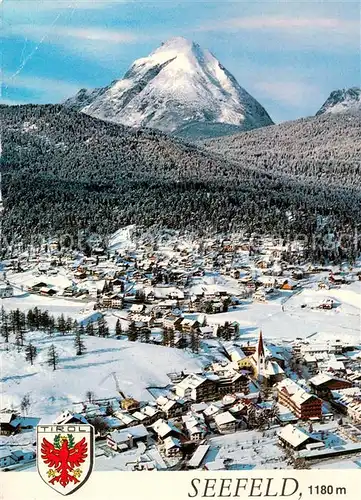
63 458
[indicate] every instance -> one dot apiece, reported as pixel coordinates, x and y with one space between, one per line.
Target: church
267 367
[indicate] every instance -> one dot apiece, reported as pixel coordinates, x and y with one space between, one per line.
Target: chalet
172 321
195 426
172 447
113 301
260 295
197 388
36 287
127 438
25 423
173 408
302 404
164 429
293 437
212 410
225 422
288 285
142 418
68 417
127 419
6 291
235 383
239 409
207 332
349 402
337 279
80 274
190 325
153 413
322 384
8 424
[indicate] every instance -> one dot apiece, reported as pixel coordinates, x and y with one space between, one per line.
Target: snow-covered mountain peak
179 85
342 100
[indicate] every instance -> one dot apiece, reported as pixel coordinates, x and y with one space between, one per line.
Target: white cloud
95 34
304 29
45 86
62 5
62 34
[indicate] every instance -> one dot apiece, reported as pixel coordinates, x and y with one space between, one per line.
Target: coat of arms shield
65 455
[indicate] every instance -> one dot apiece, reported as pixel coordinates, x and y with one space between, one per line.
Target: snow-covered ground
136 365
292 320
248 450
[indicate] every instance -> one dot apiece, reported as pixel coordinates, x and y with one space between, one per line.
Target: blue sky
288 54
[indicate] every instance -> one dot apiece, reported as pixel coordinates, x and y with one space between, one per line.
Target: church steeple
260 346
260 354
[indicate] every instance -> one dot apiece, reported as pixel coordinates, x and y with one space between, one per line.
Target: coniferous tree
118 328
146 335
165 336
53 357
132 332
61 324
81 330
30 353
89 329
51 326
69 324
194 342
25 404
79 344
89 395
20 336
3 314
171 337
5 330
102 327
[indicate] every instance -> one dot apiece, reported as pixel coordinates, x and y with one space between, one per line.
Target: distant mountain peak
342 100
177 87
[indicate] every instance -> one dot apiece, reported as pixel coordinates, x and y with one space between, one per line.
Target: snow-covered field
293 321
247 450
136 365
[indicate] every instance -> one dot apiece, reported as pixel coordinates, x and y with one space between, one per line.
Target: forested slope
64 171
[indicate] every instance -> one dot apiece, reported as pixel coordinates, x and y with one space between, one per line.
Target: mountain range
66 171
179 89
183 90
342 100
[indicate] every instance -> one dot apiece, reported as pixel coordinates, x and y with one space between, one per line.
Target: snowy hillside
342 100
176 86
136 365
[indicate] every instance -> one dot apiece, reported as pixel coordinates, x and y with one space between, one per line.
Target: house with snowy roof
302 404
172 446
225 422
197 388
8 424
295 438
122 440
68 417
164 429
323 383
